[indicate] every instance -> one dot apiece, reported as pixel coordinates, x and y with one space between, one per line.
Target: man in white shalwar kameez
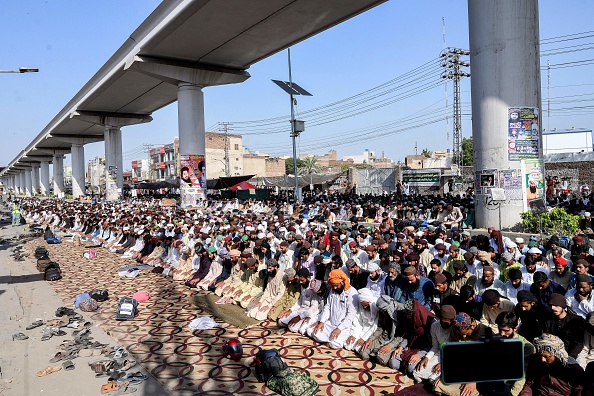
365 322
307 308
335 321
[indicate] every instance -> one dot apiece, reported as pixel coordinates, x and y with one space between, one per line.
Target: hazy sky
398 42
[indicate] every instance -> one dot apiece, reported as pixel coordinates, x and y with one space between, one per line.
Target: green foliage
557 221
344 168
363 166
427 153
309 165
289 166
467 151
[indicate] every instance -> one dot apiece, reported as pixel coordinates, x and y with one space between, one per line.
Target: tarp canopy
211 184
156 185
288 181
226 182
244 185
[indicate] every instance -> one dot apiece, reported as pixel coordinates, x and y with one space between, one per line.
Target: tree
427 153
467 152
289 166
309 165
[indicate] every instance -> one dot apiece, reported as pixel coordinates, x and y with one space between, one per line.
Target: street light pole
293 133
21 70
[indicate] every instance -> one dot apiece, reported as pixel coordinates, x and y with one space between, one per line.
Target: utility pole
548 95
453 71
297 126
225 128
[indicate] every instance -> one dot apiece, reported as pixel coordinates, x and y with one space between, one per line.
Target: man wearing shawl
334 324
365 322
275 288
551 371
289 297
417 334
251 284
388 336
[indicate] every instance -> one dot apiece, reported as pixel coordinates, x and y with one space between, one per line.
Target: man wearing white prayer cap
376 280
365 323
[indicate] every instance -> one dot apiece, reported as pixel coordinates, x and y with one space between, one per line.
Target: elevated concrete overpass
183 46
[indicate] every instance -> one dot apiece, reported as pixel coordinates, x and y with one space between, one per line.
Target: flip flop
57 357
135 378
48 370
125 364
35 324
73 325
124 390
111 386
68 365
86 352
19 336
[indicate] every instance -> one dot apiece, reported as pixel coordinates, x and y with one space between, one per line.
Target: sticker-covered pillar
190 78
505 69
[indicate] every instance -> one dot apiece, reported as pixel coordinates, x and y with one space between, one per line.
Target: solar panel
291 88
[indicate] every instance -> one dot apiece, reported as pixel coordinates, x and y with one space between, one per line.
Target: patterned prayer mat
191 362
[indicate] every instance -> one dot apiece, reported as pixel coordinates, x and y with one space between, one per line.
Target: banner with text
523 133
421 178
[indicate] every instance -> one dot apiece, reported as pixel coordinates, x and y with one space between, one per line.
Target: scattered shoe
35 324
19 336
68 365
73 325
123 390
48 370
58 356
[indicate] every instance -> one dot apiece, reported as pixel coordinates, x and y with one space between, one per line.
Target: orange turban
338 275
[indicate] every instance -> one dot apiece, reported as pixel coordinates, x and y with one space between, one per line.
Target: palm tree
309 165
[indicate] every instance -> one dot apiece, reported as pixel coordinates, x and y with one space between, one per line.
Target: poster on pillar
523 133
192 176
533 183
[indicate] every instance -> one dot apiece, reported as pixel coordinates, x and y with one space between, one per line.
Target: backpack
40 252
127 309
99 295
564 241
269 364
53 240
52 272
43 263
293 383
79 298
47 233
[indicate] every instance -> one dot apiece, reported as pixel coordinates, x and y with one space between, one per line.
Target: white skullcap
534 250
519 240
373 267
587 214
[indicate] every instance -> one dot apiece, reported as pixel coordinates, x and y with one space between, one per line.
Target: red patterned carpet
191 362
